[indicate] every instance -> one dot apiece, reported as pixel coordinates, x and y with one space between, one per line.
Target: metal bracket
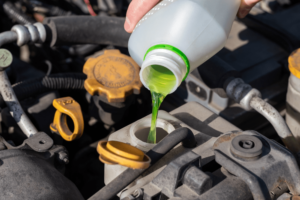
170 177
263 170
40 142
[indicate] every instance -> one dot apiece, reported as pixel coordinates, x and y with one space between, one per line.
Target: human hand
245 7
138 8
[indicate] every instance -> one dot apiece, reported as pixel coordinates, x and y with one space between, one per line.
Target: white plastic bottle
181 35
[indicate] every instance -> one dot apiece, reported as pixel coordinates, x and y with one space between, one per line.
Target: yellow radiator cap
294 63
113 75
67 106
114 152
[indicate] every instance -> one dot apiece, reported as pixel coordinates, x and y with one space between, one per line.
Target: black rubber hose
67 81
87 30
16 14
82 49
183 135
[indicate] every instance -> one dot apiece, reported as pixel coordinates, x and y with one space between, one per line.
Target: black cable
66 81
15 14
82 49
49 64
183 135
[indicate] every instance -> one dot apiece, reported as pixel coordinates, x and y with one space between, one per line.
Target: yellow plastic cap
67 106
113 75
294 63
113 152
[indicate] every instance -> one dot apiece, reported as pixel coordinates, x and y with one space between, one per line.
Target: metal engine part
252 166
30 176
34 169
262 164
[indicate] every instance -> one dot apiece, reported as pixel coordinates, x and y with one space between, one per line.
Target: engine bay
75 115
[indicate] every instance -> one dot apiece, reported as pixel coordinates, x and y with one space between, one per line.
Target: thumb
136 10
246 6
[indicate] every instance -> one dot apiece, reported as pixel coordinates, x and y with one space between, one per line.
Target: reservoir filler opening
163 70
175 50
168 57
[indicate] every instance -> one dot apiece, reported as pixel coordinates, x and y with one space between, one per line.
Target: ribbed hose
16 14
67 81
183 135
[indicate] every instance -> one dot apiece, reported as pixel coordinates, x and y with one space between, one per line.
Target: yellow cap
113 152
113 75
67 106
294 63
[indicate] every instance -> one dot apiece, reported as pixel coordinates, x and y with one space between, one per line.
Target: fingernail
127 25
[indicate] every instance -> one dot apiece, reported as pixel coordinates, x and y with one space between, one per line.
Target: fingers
136 10
246 6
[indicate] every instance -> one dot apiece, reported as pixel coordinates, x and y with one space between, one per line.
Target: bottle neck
166 59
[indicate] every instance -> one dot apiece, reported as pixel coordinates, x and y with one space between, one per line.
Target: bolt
66 160
247 144
63 156
137 194
198 89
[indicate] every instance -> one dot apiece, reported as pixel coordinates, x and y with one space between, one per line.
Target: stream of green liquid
160 81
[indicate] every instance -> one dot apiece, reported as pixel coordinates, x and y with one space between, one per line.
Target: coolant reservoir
179 35
293 95
191 115
136 135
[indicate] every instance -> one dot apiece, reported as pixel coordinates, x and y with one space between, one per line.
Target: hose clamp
23 34
245 101
30 33
241 93
42 32
67 106
34 34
